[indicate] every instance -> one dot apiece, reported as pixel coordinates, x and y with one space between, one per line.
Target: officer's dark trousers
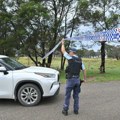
72 84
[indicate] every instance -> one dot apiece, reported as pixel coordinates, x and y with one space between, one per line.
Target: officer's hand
84 80
62 41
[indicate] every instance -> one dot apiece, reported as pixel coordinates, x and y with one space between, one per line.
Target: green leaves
34 27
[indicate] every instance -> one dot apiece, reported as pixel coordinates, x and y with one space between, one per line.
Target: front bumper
57 92
54 90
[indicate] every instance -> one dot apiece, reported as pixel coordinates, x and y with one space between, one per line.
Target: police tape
50 52
108 35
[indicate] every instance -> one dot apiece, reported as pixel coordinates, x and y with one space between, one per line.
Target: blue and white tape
52 50
108 35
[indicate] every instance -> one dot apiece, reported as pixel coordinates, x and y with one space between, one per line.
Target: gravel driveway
98 101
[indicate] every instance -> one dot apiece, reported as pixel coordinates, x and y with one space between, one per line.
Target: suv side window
2 65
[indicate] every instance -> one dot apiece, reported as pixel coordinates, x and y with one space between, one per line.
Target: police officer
73 80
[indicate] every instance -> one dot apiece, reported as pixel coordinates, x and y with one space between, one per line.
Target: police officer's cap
72 50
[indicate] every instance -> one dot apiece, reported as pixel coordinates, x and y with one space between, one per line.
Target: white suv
27 84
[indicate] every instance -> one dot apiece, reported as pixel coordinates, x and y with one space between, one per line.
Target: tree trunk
43 62
102 66
49 60
62 62
35 62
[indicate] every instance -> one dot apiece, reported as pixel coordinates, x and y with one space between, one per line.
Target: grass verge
112 68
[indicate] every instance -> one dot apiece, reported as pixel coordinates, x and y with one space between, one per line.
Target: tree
29 28
5 30
37 26
104 15
59 11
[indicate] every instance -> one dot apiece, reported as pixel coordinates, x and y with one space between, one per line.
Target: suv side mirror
3 69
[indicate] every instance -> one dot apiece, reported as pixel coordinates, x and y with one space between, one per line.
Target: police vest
74 66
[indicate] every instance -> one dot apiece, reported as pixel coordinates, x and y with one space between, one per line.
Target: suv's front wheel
29 95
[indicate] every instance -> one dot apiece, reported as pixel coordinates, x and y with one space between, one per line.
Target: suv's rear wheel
29 95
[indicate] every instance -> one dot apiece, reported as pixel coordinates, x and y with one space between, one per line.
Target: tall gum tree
104 15
59 10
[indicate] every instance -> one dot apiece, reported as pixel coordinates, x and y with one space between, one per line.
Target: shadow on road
8 102
44 101
52 100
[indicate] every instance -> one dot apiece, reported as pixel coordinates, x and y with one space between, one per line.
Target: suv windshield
13 63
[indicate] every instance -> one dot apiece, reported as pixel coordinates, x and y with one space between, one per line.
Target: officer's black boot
76 112
65 112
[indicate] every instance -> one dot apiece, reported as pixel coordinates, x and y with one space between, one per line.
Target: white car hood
40 70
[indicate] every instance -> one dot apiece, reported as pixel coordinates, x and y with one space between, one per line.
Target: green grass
92 68
112 70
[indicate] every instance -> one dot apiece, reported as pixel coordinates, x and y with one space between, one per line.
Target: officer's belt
75 76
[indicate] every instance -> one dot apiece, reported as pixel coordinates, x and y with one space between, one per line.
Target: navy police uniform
73 81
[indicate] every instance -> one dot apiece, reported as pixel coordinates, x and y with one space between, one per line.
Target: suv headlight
46 75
